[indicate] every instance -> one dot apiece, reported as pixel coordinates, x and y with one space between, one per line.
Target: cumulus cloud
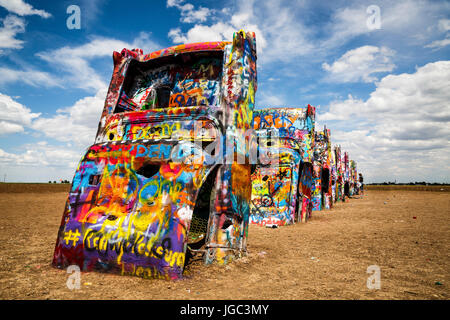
443 26
437 44
199 15
283 38
91 11
41 154
200 33
344 110
273 23
31 77
361 64
344 24
75 62
39 162
286 34
22 8
405 122
188 12
270 100
14 117
76 124
12 25
380 160
404 20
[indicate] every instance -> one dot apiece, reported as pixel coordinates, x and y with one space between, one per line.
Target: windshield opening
189 79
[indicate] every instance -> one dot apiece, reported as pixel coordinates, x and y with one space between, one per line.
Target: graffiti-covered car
333 175
155 180
282 179
345 174
339 187
322 173
354 190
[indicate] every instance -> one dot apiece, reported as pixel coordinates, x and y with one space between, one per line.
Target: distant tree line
422 183
61 181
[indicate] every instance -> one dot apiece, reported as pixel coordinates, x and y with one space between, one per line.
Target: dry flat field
405 233
434 188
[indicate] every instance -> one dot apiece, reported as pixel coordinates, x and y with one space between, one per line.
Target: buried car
322 173
282 179
162 176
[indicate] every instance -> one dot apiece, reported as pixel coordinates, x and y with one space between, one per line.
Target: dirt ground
405 233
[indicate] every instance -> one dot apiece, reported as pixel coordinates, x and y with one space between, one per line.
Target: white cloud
8 127
19 159
192 16
345 23
31 77
145 42
344 110
75 124
22 8
402 130
285 35
361 64
268 99
174 3
406 20
14 116
437 44
385 160
422 95
39 162
273 23
188 12
200 33
75 62
41 155
444 25
91 11
12 25
412 16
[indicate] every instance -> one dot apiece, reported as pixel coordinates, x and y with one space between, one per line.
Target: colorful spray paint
282 179
346 174
327 174
156 181
333 175
353 178
322 191
339 188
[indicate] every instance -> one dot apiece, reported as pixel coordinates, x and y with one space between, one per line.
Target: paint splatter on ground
413 255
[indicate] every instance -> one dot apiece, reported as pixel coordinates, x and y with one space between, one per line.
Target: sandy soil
326 258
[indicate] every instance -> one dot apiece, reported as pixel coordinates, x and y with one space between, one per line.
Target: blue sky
381 85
